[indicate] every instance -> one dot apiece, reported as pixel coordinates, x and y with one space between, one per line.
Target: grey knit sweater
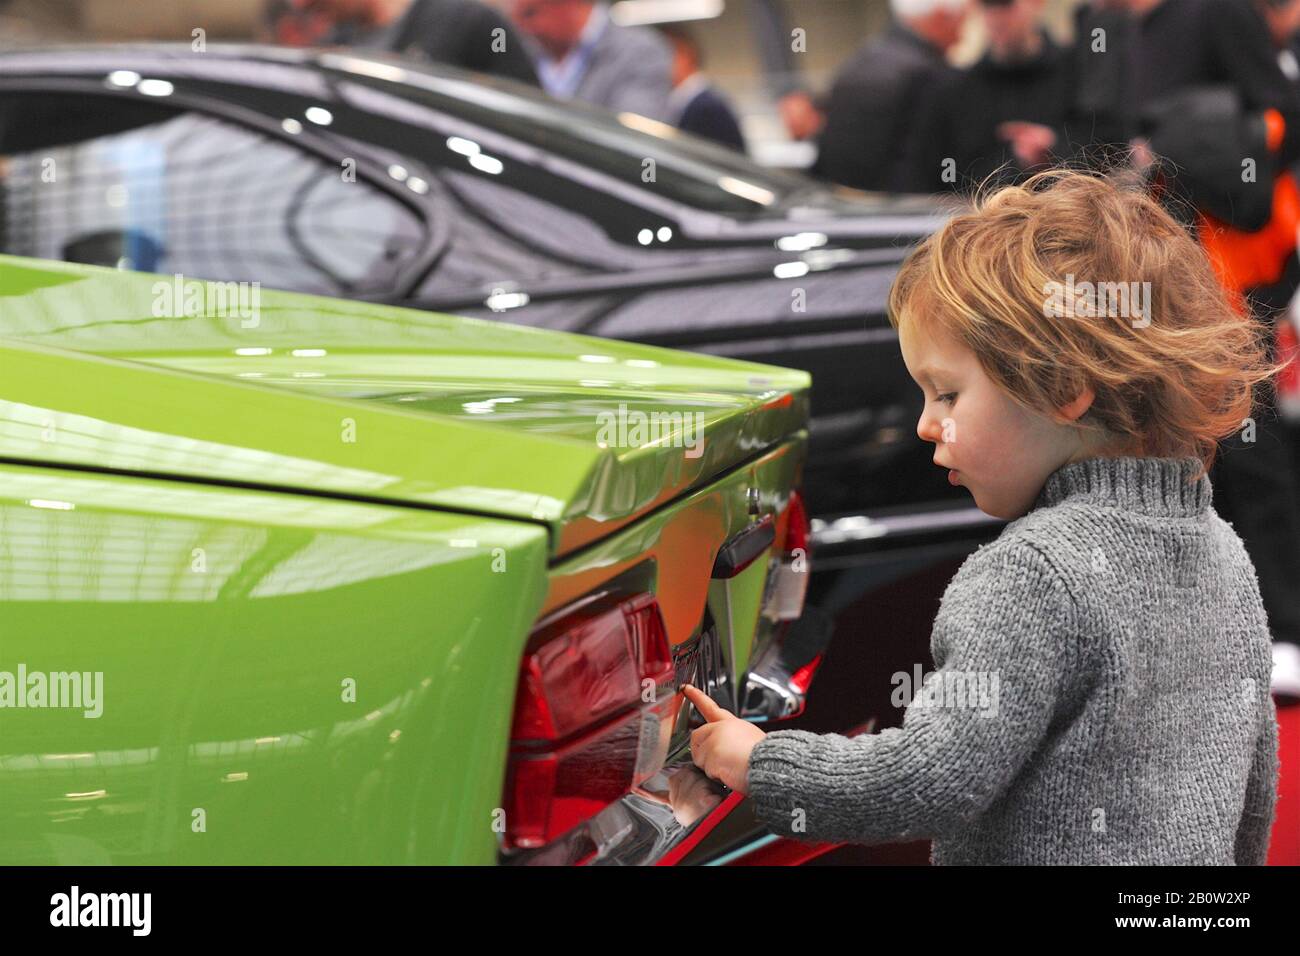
1101 695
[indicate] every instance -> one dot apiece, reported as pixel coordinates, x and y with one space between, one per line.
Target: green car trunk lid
175 378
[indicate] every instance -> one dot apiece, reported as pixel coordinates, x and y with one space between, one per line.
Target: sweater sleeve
1261 791
1003 646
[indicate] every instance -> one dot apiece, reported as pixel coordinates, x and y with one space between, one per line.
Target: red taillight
796 525
588 716
789 579
801 679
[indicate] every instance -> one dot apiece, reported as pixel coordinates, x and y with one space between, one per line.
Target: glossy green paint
225 645
227 624
682 542
229 561
365 400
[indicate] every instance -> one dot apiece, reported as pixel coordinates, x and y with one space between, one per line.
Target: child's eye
947 397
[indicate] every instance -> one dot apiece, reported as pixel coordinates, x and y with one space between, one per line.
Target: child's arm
1261 790
1006 625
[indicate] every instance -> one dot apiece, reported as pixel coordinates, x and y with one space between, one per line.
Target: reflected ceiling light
628 13
645 237
488 164
602 359
397 172
664 233
466 147
801 242
417 185
479 408
50 505
319 115
506 300
155 87
291 125
790 270
123 78
363 67
253 351
645 124
738 187
820 259
307 353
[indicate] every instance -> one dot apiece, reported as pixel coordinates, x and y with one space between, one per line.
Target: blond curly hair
1009 278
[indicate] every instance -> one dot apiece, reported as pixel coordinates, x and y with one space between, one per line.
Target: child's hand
721 747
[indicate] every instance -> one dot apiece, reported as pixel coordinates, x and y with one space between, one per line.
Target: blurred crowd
900 118
570 48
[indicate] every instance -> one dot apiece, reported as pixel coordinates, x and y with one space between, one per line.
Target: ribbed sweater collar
1165 487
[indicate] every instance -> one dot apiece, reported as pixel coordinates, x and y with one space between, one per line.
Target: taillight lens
801 679
589 724
789 584
796 527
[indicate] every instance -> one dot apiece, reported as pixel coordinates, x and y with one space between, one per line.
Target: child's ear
1075 409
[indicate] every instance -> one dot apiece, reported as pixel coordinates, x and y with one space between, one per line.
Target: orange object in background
1245 259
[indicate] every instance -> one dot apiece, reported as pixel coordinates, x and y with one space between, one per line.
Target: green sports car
288 579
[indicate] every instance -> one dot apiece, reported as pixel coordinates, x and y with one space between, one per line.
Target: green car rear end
323 582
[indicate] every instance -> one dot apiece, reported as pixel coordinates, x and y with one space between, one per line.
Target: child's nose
928 427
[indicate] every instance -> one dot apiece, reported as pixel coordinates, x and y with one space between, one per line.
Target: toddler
1102 685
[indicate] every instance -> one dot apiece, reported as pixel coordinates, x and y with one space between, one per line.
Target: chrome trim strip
865 527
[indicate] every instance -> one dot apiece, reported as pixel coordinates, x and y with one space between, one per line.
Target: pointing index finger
708 709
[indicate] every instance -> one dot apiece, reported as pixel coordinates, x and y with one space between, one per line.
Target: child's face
1003 453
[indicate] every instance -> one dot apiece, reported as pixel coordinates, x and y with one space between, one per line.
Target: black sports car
374 178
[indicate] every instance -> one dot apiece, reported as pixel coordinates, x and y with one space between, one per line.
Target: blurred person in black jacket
1283 20
882 95
1131 56
1001 118
1190 93
696 105
463 33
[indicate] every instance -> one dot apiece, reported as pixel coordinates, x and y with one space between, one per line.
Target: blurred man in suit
464 33
696 105
581 54
882 95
